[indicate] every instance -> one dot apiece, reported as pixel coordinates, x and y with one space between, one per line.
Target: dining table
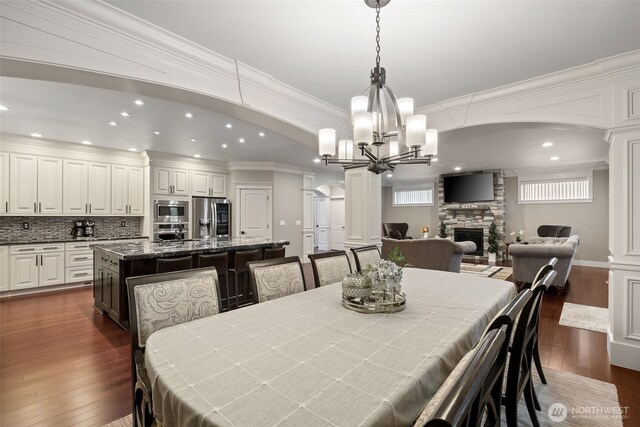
305 360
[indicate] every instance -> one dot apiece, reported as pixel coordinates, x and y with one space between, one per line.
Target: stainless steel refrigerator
211 218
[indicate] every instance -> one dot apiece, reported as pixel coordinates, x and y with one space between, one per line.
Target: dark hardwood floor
64 364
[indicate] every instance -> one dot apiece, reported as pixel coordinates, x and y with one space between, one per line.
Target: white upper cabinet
35 185
87 187
170 181
4 183
127 190
206 184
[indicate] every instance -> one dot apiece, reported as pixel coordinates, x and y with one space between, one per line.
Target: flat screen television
477 187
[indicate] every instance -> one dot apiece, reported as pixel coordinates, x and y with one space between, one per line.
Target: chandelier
409 140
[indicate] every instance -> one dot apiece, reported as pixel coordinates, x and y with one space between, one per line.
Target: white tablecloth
305 360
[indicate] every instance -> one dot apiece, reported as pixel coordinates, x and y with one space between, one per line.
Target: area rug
572 400
492 271
585 317
122 422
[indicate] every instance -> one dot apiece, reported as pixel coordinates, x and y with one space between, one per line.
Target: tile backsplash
56 227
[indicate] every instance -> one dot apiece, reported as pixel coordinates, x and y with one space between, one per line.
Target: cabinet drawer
78 246
78 274
28 249
76 258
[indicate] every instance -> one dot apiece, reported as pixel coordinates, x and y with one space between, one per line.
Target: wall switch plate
298 222
282 222
122 224
25 225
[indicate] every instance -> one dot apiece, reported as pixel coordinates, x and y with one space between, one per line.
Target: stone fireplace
477 216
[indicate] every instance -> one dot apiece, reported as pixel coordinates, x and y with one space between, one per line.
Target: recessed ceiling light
125 114
389 175
316 160
189 116
457 168
138 102
3 108
156 132
261 134
113 123
224 145
86 142
547 144
554 158
241 140
133 149
193 140
197 156
229 125
435 159
36 135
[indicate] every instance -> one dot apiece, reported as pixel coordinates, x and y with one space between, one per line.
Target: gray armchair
432 254
395 230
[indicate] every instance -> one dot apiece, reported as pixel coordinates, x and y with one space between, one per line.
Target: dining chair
536 282
166 265
158 301
240 270
365 256
468 397
272 253
276 278
519 380
221 263
329 267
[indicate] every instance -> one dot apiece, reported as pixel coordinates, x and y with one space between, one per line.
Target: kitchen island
114 263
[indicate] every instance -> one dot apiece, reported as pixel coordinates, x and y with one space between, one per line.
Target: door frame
236 211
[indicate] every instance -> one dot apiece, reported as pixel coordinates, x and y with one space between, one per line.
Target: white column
363 208
624 245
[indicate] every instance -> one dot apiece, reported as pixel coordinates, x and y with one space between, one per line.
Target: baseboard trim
38 290
624 355
586 263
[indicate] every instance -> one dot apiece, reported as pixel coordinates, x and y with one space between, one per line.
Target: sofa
432 254
527 259
395 230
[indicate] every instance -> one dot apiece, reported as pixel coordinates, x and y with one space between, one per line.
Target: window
575 186
415 196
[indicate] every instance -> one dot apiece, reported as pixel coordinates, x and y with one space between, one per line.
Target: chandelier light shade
379 118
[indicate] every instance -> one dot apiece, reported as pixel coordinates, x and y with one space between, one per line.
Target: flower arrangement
385 276
518 236
424 229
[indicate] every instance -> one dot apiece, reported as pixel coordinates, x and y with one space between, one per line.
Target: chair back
554 231
243 257
165 265
329 267
365 256
544 270
276 278
506 318
470 398
157 301
395 230
272 253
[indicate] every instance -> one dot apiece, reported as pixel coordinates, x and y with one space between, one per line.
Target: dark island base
110 288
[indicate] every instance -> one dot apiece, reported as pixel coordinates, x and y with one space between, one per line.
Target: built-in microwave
165 211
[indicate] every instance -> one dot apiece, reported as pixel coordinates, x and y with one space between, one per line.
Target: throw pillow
396 234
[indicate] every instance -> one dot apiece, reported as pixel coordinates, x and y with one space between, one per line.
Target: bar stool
271 253
241 269
165 265
221 263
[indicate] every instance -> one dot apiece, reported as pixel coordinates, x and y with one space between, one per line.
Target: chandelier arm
371 96
366 152
422 161
394 101
383 110
401 156
347 161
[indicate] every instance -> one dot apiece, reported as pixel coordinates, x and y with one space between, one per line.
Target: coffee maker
78 229
89 228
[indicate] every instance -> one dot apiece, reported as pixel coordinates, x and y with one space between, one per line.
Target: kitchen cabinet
4 268
4 183
36 265
206 184
35 184
106 288
127 190
170 181
78 263
87 187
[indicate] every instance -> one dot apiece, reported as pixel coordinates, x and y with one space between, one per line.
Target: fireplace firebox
474 235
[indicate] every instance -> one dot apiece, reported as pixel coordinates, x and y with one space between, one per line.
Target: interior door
255 212
323 226
337 224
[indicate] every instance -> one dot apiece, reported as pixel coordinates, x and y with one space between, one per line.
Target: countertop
146 250
70 240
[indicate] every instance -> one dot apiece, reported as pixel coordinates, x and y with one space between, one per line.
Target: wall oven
167 211
170 231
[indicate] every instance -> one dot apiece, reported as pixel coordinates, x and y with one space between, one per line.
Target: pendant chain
378 34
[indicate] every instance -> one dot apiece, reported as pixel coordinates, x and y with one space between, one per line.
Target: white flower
513 233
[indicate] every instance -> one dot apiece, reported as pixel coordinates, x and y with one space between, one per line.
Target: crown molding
576 167
157 158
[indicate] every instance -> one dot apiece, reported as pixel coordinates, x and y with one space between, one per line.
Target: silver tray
373 305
